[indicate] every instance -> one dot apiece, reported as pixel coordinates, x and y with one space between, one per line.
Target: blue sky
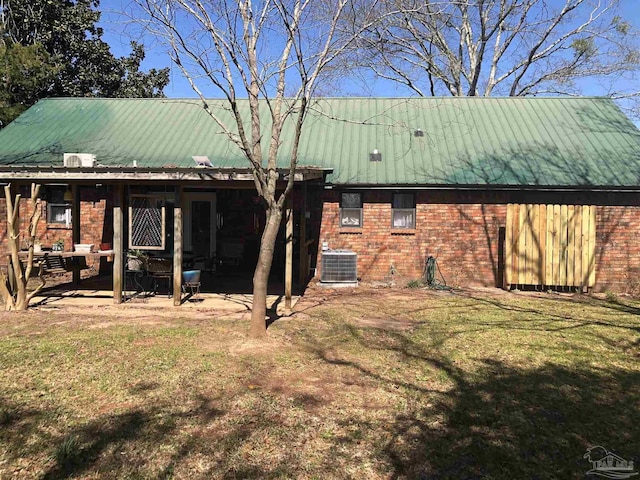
118 35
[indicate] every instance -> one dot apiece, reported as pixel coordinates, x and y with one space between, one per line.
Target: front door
199 224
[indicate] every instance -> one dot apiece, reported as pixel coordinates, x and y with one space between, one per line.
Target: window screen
58 209
147 222
404 210
351 210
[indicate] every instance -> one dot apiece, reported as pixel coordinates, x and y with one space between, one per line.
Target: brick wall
618 248
462 230
95 216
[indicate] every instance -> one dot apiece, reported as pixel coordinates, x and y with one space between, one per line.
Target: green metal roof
547 141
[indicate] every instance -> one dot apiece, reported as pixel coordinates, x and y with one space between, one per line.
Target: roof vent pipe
375 156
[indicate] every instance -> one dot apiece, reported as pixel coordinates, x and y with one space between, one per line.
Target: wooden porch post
302 241
15 189
118 243
75 230
177 247
288 265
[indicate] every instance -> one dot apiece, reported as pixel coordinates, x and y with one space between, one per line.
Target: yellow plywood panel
548 252
571 214
586 211
534 266
557 238
508 244
592 246
542 235
562 254
577 228
516 245
522 245
529 245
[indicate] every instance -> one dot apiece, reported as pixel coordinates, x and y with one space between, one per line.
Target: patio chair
161 269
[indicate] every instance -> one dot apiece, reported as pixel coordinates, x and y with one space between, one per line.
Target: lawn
387 383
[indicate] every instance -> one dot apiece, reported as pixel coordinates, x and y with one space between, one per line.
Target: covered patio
189 218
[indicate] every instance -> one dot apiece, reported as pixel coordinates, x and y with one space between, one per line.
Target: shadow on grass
517 424
497 420
80 449
550 316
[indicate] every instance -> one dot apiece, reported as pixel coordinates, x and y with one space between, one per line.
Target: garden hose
430 268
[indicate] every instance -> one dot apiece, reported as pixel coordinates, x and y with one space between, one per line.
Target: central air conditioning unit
339 266
79 160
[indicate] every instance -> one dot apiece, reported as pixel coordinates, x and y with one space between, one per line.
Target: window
404 210
351 210
58 209
147 222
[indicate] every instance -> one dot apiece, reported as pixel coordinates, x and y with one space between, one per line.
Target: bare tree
504 47
18 299
273 52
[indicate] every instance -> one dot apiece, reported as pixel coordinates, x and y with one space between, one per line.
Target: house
503 191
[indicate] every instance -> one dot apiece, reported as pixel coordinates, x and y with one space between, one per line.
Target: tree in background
504 47
271 52
54 48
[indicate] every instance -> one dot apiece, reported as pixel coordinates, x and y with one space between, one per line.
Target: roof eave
173 174
495 187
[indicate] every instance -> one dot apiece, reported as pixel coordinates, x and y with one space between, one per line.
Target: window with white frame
58 209
404 210
351 209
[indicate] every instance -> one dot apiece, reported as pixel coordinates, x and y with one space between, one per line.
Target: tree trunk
21 296
261 275
19 299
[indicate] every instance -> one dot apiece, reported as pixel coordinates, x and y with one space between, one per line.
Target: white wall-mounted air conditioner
79 160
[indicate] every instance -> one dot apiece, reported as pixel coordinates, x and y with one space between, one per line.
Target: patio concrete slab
223 302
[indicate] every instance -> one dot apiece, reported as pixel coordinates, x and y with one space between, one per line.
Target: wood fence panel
550 245
592 247
571 247
557 252
548 278
562 263
542 229
508 245
529 235
536 254
516 237
522 245
577 228
585 245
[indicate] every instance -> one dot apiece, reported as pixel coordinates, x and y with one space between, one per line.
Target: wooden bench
56 264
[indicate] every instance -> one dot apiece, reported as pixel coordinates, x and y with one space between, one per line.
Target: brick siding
462 230
95 217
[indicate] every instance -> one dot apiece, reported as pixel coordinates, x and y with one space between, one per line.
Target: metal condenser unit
339 266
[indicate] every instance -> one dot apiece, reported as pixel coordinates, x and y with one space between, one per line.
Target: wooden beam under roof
115 174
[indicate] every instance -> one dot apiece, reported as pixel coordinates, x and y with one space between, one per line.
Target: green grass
373 384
